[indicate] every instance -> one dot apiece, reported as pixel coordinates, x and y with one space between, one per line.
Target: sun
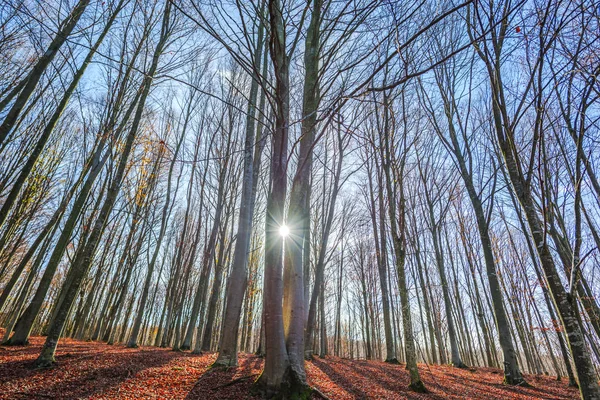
284 231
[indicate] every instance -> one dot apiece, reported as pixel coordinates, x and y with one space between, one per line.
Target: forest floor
100 371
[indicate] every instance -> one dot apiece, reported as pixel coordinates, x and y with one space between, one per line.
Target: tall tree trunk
439 261
207 262
214 296
80 266
51 124
565 304
381 253
298 219
133 339
327 225
426 299
398 232
512 374
275 378
238 278
38 69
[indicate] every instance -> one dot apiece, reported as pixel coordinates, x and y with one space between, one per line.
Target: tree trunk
133 339
36 73
276 378
588 383
238 278
51 124
398 234
80 266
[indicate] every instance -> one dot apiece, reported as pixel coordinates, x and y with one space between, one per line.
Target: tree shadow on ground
77 373
228 383
396 382
342 380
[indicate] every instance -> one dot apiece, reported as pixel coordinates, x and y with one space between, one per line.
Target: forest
299 199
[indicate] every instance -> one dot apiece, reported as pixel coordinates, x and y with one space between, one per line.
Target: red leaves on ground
99 371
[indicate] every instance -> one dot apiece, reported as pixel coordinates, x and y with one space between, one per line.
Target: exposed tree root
418 387
11 342
225 362
233 382
44 364
521 382
292 387
320 394
515 380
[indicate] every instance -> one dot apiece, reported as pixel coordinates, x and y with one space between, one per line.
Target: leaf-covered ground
99 371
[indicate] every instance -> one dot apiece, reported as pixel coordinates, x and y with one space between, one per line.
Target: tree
490 51
82 263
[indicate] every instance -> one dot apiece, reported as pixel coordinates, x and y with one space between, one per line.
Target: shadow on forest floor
82 369
228 383
96 370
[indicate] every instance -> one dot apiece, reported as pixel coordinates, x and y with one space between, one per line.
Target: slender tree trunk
381 252
80 266
409 342
323 323
238 278
133 339
214 297
426 300
51 124
439 261
207 262
275 378
588 384
36 73
320 263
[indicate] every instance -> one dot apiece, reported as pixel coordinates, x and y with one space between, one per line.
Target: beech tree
414 183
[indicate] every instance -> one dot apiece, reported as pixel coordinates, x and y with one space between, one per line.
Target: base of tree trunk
132 345
461 365
291 388
185 347
573 384
308 355
516 382
225 362
197 352
418 387
12 342
44 363
393 361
